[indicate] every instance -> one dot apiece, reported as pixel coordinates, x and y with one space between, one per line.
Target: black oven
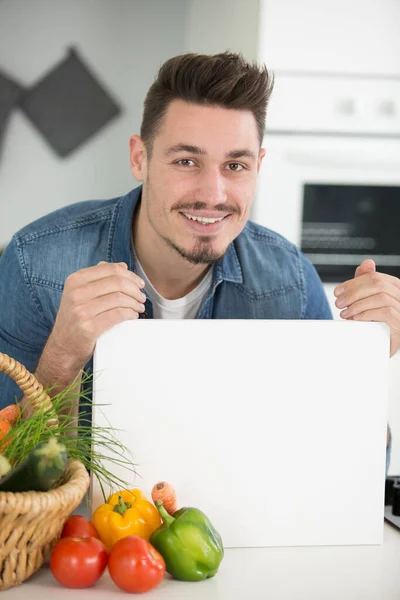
344 224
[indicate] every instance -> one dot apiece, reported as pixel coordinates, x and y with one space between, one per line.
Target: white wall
217 25
124 42
361 36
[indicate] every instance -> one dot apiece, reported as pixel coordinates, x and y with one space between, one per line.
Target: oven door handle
334 161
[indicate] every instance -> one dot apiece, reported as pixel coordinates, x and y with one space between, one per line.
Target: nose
211 187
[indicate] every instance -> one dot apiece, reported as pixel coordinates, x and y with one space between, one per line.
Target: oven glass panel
344 224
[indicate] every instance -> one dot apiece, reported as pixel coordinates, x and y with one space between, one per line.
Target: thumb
367 266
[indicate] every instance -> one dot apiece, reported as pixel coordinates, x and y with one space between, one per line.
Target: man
180 246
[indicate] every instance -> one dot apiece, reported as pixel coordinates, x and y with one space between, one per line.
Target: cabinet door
361 36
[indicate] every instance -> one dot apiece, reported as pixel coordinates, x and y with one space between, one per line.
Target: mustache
226 208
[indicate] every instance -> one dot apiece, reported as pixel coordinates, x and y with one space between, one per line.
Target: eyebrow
241 154
234 154
185 148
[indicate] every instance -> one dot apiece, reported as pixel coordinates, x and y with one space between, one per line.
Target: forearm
55 369
56 373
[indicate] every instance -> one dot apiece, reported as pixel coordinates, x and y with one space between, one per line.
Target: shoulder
273 266
66 240
258 237
268 259
73 216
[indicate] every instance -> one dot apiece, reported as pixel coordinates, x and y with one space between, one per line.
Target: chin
202 258
202 253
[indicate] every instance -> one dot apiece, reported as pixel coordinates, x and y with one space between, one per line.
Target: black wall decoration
10 94
67 105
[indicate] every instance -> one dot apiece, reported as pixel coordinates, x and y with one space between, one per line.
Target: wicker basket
31 522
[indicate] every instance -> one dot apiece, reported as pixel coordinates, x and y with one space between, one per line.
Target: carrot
165 492
5 427
10 413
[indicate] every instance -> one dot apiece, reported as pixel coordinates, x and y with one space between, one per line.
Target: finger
108 285
90 310
108 319
387 315
363 287
370 303
367 266
105 262
101 271
374 278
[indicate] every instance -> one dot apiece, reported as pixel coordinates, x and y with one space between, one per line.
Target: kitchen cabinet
331 37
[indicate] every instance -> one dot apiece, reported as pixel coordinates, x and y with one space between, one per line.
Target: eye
185 162
235 167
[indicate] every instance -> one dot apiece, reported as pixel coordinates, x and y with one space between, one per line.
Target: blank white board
275 429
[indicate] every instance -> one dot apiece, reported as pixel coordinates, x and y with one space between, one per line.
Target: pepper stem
166 517
122 506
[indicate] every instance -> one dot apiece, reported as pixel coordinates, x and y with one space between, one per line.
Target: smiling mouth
204 220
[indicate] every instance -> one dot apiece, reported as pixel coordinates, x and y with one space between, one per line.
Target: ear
261 155
138 157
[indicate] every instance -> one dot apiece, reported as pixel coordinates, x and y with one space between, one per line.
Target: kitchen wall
360 36
123 42
216 25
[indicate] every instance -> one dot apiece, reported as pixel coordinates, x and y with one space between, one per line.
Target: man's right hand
94 300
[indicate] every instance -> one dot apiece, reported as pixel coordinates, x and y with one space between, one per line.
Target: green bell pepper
191 547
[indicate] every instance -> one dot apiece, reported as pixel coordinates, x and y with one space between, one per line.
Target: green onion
90 444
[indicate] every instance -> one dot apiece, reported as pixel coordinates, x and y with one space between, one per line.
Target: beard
202 254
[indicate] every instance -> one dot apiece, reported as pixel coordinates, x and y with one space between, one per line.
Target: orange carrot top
10 413
5 428
165 492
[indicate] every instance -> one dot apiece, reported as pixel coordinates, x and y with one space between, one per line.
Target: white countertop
307 573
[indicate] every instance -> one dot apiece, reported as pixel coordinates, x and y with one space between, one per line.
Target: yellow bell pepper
127 512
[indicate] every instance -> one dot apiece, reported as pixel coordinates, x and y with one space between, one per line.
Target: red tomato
135 566
78 562
78 526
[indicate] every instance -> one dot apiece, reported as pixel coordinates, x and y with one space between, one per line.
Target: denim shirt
261 276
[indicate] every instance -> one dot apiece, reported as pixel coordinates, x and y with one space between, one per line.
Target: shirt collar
226 269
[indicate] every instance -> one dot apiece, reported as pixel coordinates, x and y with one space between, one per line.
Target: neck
170 274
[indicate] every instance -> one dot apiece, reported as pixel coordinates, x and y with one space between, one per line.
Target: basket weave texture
31 522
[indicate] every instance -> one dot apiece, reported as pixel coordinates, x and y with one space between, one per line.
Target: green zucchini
39 471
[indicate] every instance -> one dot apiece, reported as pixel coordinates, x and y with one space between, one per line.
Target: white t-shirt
181 308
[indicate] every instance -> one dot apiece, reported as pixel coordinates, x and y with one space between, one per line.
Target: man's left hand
372 296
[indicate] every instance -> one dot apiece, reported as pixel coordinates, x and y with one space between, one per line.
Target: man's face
200 181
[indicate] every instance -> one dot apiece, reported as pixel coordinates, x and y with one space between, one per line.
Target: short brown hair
226 80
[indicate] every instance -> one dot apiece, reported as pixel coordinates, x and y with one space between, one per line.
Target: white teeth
203 220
